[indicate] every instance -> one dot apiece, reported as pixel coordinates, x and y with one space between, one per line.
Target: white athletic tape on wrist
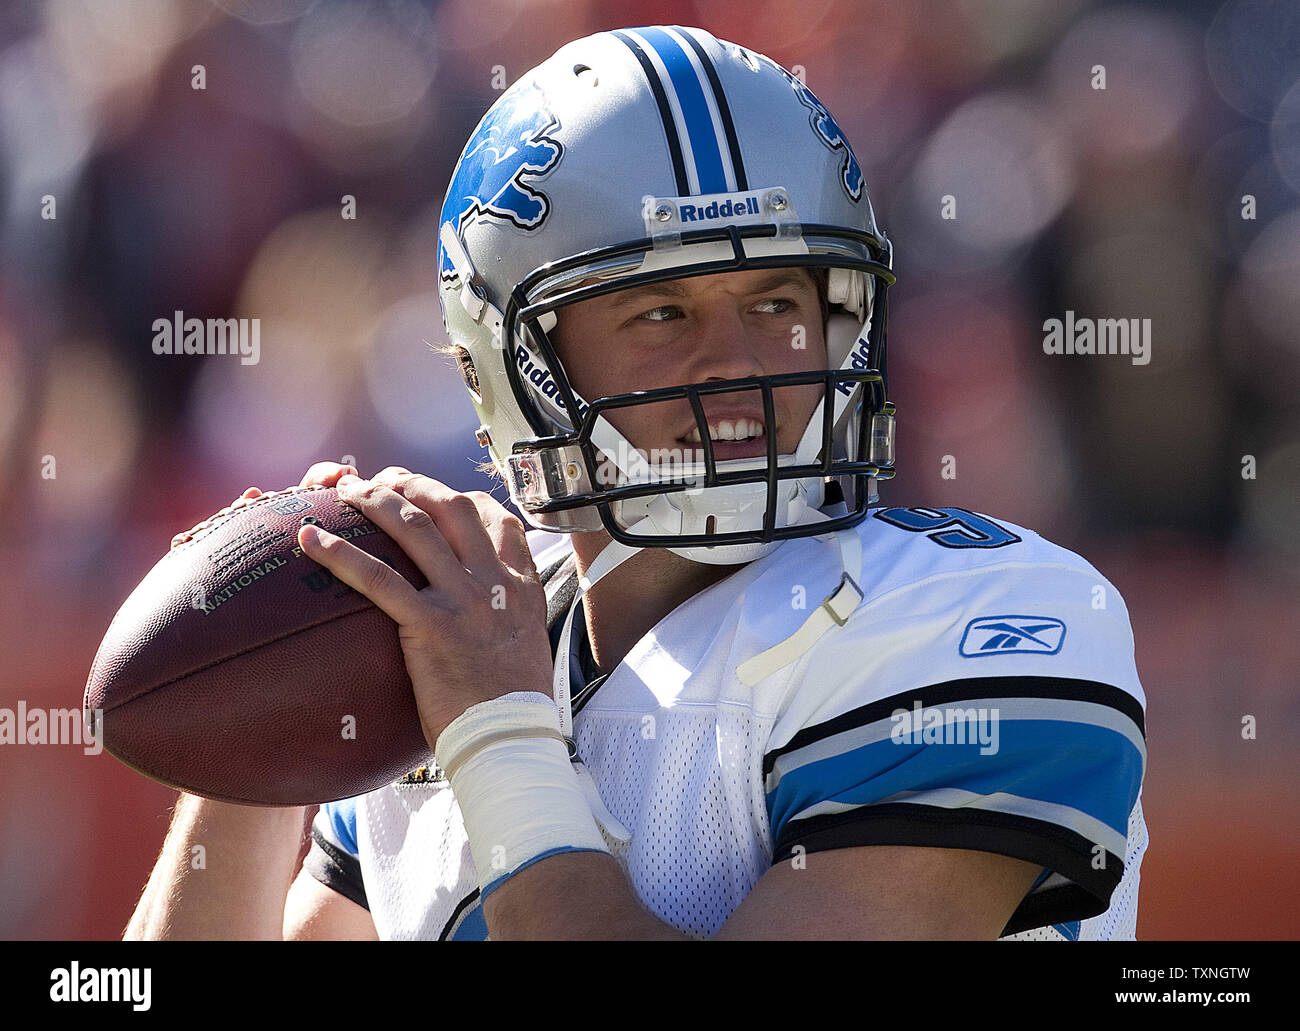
517 791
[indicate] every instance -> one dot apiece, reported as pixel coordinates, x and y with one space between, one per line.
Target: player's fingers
326 474
458 521
508 532
379 582
413 528
391 476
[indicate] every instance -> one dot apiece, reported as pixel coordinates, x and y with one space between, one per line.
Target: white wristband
520 798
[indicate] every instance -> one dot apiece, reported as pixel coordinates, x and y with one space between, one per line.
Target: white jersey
983 695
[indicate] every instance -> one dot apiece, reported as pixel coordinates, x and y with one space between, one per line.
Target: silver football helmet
628 158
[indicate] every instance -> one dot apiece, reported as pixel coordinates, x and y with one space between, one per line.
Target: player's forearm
223 873
575 895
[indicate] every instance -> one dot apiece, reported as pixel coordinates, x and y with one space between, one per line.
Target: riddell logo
753 207
861 360
540 377
743 205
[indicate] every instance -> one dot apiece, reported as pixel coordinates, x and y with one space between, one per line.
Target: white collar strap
611 556
834 610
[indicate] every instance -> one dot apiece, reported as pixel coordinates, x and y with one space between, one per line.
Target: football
241 670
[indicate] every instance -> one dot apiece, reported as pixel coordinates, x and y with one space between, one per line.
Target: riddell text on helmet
746 205
540 377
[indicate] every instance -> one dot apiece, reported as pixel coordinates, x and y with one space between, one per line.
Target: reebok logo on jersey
1001 635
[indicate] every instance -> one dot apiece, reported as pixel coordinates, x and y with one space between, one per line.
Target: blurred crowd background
1171 194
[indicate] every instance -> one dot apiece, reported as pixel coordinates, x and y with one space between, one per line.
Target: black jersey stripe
1086 894
461 909
966 690
336 869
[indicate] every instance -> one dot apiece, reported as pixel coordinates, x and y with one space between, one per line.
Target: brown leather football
241 670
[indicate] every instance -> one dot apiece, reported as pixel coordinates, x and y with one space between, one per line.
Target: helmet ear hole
465 366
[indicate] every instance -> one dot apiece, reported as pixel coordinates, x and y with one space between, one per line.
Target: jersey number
956 527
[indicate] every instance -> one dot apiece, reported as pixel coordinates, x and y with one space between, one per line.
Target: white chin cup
733 508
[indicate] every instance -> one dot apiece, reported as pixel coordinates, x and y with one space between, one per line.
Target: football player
717 690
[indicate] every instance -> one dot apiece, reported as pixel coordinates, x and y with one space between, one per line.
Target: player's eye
664 313
777 305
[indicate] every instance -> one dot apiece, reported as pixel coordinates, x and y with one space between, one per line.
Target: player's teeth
726 429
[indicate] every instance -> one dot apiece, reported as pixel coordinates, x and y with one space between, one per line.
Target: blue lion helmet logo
512 147
830 133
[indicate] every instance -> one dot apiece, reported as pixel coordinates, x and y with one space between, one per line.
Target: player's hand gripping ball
478 630
251 664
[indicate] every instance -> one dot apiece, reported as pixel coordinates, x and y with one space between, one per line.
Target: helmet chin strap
808 496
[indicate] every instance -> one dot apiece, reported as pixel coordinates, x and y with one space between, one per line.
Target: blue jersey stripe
473 928
492 886
342 816
700 128
1092 769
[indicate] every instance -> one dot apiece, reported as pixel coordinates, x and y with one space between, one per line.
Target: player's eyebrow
776 279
